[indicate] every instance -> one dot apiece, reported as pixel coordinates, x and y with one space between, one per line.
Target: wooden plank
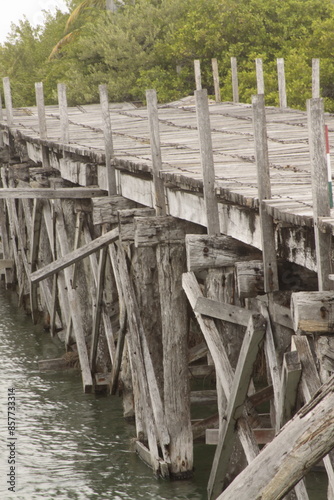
290 377
153 123
222 363
222 310
37 214
74 303
302 442
262 436
310 384
315 78
149 392
73 257
253 337
208 169
48 193
97 308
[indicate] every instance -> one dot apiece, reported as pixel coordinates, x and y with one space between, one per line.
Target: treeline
153 43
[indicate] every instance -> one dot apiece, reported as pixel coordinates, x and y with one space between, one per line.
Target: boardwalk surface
233 143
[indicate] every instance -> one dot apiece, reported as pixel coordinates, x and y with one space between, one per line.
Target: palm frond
77 12
64 41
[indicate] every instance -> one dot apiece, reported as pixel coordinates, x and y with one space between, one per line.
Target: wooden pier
189 241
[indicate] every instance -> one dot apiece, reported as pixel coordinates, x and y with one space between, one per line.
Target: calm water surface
71 445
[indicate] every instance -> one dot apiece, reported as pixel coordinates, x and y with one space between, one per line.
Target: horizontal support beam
222 310
75 256
50 194
262 436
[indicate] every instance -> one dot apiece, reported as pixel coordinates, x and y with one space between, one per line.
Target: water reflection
70 445
76 446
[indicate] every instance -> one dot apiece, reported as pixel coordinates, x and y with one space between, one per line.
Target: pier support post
42 122
263 175
281 84
321 205
215 73
208 169
198 77
235 84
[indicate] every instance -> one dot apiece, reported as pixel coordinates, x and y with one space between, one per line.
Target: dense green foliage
152 44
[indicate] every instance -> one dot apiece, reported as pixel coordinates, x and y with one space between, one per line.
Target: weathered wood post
198 77
8 101
235 85
42 122
204 132
153 120
281 83
63 114
109 148
259 75
263 176
215 73
321 205
315 78
1 120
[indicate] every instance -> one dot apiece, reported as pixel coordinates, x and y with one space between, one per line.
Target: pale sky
12 11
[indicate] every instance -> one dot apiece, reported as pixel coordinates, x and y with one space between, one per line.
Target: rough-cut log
313 312
171 258
302 442
290 378
216 251
105 209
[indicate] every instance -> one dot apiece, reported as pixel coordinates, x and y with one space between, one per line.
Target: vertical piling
8 101
215 73
204 132
315 78
259 76
109 148
263 176
235 85
321 206
153 120
198 77
42 122
281 84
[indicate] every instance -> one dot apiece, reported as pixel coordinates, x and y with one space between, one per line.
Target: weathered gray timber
300 444
153 120
198 76
321 206
263 176
249 349
126 314
204 132
259 76
109 147
312 312
315 78
216 83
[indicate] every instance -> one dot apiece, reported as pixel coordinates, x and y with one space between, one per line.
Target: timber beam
50 194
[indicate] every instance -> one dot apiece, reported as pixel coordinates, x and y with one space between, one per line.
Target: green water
71 445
